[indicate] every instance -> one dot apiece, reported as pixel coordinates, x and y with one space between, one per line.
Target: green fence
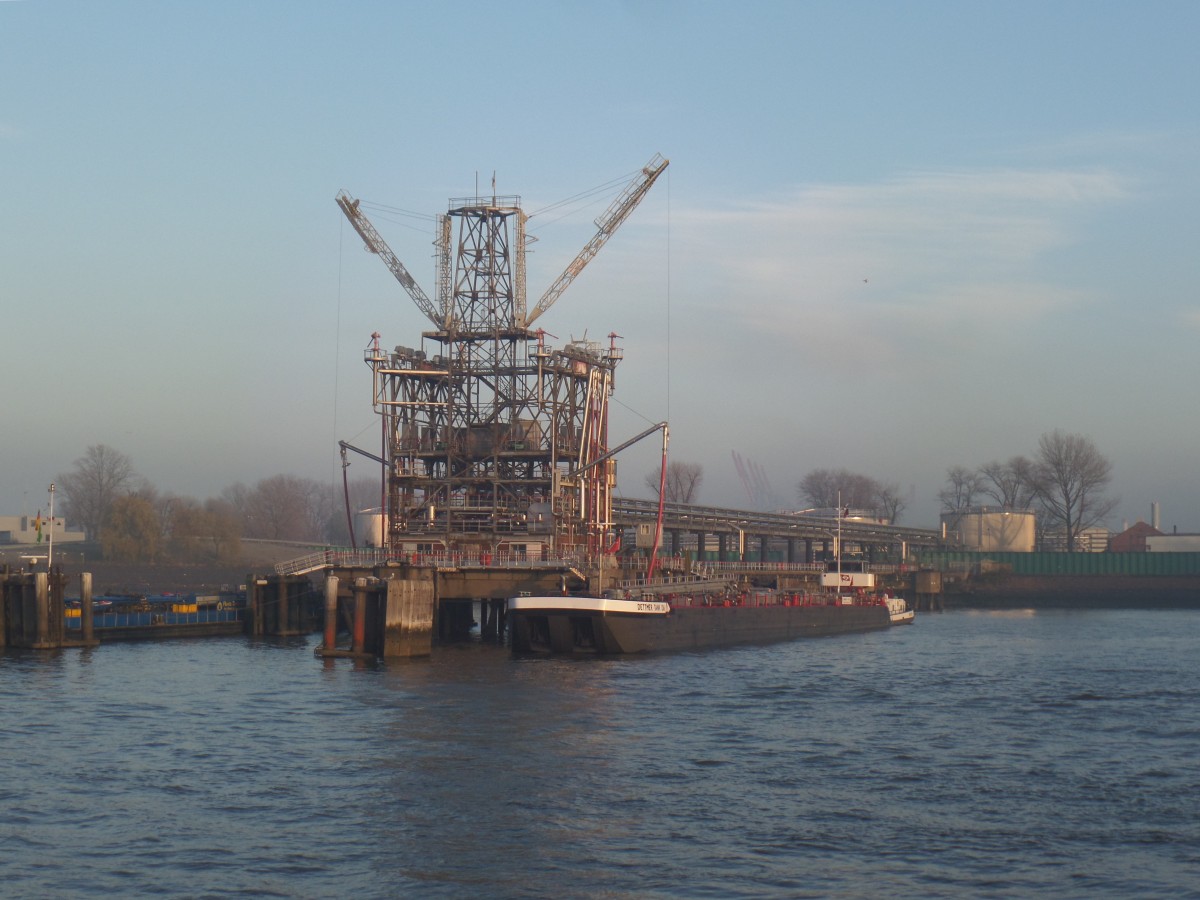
1045 563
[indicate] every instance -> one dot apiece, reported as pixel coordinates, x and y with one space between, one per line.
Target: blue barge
133 618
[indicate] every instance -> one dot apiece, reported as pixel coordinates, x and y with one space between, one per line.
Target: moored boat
898 611
652 624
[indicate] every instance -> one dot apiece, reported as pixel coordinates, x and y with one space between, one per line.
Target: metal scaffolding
489 433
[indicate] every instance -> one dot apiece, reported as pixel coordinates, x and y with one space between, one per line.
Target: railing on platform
368 558
695 569
755 566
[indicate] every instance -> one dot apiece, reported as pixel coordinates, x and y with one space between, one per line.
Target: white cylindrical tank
998 530
368 527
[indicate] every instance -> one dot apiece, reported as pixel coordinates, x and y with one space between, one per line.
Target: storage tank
368 527
996 530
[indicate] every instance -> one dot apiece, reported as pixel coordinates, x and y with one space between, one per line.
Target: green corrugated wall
1072 563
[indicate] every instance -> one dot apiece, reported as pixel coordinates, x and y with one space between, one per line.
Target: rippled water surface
989 755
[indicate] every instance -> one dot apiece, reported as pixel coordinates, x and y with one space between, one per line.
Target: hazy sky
894 237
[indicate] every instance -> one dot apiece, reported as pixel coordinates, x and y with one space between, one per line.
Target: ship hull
582 625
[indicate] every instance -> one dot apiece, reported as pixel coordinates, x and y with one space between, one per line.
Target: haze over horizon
892 238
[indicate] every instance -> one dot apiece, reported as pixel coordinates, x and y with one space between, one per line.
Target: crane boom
376 244
608 223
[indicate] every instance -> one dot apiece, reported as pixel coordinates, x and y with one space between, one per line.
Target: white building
1173 543
1088 540
24 530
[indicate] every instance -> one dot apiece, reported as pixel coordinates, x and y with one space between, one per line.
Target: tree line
132 521
1063 482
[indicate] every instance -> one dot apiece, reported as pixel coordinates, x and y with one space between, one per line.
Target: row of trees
1064 482
827 488
133 522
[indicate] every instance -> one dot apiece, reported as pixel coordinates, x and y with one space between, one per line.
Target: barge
654 624
134 617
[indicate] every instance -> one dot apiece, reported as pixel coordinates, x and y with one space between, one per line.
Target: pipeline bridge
711 532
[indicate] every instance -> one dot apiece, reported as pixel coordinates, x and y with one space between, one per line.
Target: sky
893 237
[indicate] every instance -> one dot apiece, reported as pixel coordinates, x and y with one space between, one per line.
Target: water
985 755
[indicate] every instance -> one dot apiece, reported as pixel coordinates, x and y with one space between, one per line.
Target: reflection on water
984 755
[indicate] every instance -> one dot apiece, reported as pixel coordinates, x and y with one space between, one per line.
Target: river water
1012 754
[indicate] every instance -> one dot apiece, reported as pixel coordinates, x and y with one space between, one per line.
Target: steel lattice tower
489 434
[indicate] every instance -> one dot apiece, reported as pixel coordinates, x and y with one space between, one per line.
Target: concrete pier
33 612
278 606
927 594
389 614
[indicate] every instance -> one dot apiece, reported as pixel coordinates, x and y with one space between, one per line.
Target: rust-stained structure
489 434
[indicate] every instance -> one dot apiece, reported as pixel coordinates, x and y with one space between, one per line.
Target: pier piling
33 612
359 639
87 620
331 610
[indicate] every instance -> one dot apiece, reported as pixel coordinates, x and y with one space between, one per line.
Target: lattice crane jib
617 212
376 244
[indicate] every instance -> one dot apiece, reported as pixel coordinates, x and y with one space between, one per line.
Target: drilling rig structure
491 437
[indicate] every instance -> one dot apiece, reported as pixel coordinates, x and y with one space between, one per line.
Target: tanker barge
658 624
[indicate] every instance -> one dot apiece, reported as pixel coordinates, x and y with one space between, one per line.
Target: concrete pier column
254 619
808 551
408 625
331 602
700 548
41 582
87 621
488 619
499 609
791 550
283 590
722 541
359 641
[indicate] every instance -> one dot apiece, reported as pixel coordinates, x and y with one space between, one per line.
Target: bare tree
1071 475
683 482
223 533
962 487
190 531
364 494
1012 484
823 487
280 508
131 532
890 503
100 476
